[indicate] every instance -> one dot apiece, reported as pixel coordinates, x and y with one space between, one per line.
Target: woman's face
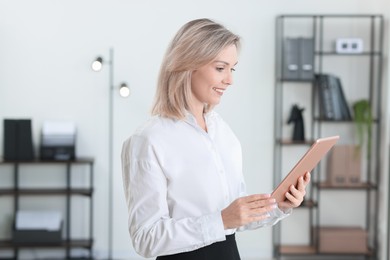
208 83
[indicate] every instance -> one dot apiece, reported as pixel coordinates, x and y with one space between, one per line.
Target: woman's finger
303 181
307 177
262 210
292 199
261 203
256 197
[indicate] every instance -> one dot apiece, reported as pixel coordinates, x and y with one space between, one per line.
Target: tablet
306 164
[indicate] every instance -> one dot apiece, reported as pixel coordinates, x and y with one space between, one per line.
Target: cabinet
346 215
66 192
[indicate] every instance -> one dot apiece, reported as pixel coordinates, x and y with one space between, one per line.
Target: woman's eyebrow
225 62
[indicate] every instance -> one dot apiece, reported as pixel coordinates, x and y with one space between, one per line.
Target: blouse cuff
281 214
212 228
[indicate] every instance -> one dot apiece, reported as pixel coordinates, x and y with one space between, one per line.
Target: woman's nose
228 80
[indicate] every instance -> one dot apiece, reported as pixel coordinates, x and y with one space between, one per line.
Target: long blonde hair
196 44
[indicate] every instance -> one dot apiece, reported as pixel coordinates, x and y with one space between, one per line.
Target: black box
57 153
18 140
51 237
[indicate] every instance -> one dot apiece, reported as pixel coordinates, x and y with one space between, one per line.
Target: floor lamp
388 220
124 91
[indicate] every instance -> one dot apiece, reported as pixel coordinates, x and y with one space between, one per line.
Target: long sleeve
153 231
274 216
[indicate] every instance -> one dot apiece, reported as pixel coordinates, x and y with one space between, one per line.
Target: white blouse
177 179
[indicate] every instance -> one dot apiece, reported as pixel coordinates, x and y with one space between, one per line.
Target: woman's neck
199 116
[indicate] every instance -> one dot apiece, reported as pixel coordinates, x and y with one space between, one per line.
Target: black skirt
226 250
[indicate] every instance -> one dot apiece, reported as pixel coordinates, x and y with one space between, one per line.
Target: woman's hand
295 196
247 209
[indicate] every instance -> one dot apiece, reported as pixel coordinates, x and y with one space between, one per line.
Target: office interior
46 50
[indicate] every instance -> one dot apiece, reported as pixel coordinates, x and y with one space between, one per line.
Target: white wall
384 187
46 47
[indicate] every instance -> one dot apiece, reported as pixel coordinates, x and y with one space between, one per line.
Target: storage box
58 141
342 240
18 145
37 227
344 166
28 236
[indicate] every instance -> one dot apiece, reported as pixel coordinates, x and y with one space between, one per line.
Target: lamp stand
110 152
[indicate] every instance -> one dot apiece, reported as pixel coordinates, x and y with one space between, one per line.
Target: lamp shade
124 90
97 64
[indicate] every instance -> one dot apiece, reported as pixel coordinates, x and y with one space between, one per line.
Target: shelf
328 242
296 80
332 121
76 243
374 121
303 250
82 160
290 142
297 250
346 16
309 204
43 191
66 192
68 258
360 186
333 53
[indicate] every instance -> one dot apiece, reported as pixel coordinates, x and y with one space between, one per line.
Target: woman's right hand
247 209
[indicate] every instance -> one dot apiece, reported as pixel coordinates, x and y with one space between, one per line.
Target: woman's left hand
295 195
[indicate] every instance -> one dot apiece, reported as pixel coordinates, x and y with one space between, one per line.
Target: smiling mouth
219 90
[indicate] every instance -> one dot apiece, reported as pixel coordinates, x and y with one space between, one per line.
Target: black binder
332 101
298 59
290 59
306 54
18 140
345 112
325 98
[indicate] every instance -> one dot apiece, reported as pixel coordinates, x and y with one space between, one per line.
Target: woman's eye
233 69
220 69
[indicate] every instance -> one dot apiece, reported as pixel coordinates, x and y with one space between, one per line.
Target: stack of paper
38 220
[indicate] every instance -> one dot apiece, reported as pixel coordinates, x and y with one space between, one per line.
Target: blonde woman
182 170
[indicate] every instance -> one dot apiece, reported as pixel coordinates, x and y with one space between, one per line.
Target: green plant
363 122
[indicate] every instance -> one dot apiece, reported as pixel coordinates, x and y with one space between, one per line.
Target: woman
182 170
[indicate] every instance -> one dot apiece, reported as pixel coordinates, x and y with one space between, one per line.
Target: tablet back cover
306 164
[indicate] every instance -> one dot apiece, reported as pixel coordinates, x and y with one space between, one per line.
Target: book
346 114
337 101
326 103
332 101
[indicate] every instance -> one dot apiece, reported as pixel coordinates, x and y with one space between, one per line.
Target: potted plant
363 123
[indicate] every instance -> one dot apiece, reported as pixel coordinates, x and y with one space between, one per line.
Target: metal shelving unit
316 26
68 192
